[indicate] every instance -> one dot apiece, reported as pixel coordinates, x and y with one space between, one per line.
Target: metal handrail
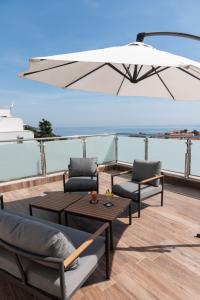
57 138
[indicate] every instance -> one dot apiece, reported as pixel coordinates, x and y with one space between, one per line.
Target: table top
55 201
83 207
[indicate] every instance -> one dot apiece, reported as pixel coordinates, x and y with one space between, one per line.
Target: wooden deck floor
157 257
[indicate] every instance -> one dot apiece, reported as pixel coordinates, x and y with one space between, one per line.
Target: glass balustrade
195 161
58 153
19 160
130 148
170 152
102 147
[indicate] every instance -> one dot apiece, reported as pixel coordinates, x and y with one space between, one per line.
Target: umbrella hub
139 44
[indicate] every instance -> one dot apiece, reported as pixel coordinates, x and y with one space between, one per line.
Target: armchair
82 175
146 181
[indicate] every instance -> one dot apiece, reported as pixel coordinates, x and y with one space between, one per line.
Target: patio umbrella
136 69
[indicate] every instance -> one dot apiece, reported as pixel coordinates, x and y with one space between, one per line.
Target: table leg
59 218
130 214
30 210
66 219
111 236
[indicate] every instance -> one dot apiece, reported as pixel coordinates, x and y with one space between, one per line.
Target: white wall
11 124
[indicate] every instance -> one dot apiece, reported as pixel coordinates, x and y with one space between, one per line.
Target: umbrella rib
118 71
163 83
85 75
139 70
144 76
127 70
183 70
122 82
50 68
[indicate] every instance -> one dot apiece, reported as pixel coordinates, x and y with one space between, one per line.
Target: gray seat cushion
33 236
143 169
75 184
46 278
129 189
82 167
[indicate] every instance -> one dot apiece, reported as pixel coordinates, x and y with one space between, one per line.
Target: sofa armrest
69 260
150 179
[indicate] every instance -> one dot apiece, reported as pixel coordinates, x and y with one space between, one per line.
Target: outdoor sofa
48 260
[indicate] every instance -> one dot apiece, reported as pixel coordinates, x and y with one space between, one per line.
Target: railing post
188 159
43 158
116 148
146 148
84 147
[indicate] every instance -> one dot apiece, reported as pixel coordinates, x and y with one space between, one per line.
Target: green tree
45 129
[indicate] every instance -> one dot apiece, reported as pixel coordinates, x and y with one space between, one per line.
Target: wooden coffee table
100 212
54 203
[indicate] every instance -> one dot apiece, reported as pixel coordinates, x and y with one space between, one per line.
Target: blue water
67 131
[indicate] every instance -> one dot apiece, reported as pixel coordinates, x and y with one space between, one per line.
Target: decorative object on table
94 198
108 195
108 204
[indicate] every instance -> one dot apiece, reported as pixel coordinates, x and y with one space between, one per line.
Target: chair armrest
121 173
118 174
150 179
69 260
65 174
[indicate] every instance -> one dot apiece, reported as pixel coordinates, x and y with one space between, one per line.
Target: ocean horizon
87 130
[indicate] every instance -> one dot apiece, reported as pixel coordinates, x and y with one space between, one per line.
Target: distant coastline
68 131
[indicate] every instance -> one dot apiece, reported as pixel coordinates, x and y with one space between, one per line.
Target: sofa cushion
33 236
82 167
143 169
76 184
129 189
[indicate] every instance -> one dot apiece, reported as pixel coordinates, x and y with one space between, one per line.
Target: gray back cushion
35 237
143 169
82 167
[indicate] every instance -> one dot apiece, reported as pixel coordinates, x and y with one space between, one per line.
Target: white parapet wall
12 135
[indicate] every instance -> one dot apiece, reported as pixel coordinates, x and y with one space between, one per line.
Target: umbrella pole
140 36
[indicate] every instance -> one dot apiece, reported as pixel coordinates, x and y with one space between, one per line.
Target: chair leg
162 196
139 208
162 193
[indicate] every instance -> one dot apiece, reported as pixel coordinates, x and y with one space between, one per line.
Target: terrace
157 257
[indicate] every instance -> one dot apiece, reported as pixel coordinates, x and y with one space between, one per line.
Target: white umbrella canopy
135 69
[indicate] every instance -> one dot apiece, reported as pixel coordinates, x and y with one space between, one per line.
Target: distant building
12 127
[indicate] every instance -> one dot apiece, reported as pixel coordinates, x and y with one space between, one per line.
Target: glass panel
195 161
101 147
170 152
58 154
130 148
19 160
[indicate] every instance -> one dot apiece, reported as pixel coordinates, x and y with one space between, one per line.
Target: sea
125 130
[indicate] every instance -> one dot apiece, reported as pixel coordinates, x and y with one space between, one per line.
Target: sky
48 27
